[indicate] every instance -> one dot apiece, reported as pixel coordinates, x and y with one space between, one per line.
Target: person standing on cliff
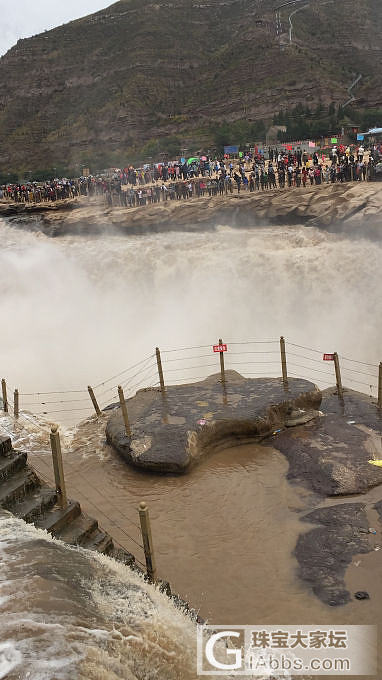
237 179
290 175
271 177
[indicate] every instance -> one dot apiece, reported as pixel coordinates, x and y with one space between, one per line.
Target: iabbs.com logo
286 651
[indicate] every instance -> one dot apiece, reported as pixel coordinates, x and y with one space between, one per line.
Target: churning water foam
76 310
70 613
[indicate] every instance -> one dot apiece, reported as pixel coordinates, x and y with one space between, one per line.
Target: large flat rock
171 433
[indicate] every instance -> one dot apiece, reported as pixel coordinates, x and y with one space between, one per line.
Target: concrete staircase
24 495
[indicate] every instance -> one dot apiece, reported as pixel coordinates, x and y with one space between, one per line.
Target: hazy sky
24 18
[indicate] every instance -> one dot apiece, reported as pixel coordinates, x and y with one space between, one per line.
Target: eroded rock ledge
338 207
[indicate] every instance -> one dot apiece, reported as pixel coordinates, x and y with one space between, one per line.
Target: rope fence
272 358
80 494
174 366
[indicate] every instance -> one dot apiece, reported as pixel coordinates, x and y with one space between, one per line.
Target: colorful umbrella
192 160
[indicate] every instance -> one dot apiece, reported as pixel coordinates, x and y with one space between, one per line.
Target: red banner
220 348
328 357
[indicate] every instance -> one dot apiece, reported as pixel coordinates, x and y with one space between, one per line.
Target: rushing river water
79 310
72 614
76 310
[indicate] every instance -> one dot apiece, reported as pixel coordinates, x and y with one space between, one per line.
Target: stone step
35 504
11 463
78 531
57 518
5 446
17 487
99 541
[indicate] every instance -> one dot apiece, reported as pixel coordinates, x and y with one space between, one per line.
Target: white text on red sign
328 357
220 348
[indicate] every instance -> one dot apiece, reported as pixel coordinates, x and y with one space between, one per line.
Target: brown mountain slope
94 89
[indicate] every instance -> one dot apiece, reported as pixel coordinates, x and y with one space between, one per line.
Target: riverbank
329 206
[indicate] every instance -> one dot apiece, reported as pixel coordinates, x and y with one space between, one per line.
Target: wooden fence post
16 404
222 372
380 386
147 540
284 363
340 391
94 400
160 370
5 398
125 416
58 466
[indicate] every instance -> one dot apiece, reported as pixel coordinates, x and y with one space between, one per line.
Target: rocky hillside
95 90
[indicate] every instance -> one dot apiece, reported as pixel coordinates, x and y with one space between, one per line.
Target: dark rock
171 433
165 587
323 553
362 595
378 508
330 455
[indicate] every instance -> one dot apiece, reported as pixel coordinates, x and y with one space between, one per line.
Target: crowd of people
296 168
132 187
55 190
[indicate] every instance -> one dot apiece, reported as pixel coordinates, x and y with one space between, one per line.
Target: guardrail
273 358
163 368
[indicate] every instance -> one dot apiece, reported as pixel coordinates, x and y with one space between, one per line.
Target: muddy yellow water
224 533
80 310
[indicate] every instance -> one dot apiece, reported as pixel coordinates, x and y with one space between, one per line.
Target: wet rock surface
325 552
330 456
170 433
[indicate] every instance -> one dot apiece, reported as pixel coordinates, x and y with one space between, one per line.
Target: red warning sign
220 348
328 357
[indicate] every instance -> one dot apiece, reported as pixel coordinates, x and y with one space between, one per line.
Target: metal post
284 362
340 391
5 398
124 410
160 370
94 400
147 540
16 404
222 364
380 386
58 466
